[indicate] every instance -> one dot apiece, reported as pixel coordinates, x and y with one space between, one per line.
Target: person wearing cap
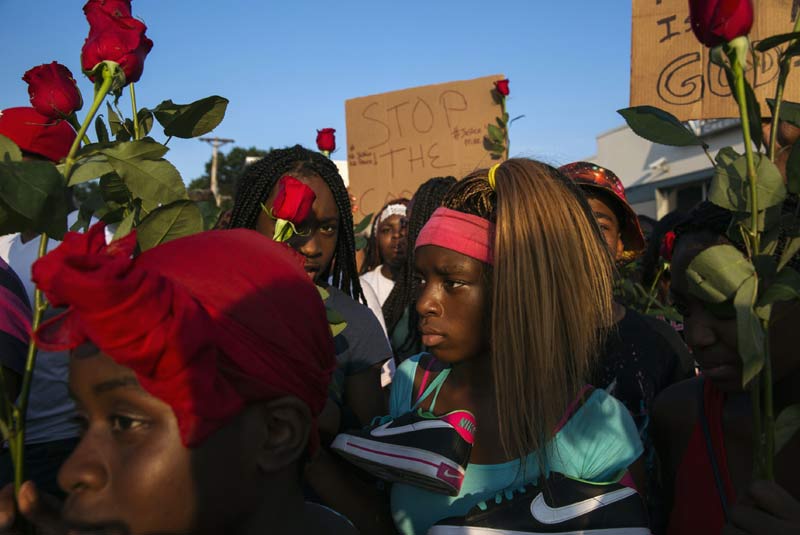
643 355
52 432
198 401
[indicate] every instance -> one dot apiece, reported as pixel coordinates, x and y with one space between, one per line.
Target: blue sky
288 67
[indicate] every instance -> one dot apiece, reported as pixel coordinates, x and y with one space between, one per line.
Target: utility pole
215 143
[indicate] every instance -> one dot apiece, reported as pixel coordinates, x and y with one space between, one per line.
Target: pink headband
463 233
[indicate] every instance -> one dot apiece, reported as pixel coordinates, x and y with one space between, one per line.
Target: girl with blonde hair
515 300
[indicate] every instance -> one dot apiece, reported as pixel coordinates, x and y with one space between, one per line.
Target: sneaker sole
402 464
466 530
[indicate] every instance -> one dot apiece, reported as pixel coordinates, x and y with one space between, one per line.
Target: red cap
593 177
36 133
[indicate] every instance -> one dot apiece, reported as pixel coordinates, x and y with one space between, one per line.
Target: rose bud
502 87
118 39
715 22
294 200
667 245
53 91
114 8
326 140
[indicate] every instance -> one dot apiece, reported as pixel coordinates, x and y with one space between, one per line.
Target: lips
431 337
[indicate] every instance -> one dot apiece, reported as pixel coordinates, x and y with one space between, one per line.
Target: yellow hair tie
491 178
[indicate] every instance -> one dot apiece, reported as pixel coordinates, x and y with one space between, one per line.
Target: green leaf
491 146
166 223
793 169
361 243
34 195
775 40
726 156
753 108
500 122
792 50
89 168
717 273
87 209
790 111
101 130
144 172
125 226
9 152
786 425
658 126
496 135
113 120
363 224
191 120
730 189
792 248
145 117
785 287
749 332
114 190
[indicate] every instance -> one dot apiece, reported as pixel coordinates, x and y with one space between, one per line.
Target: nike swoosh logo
555 515
385 431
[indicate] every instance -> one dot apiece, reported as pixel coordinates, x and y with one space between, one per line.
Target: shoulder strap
712 457
436 384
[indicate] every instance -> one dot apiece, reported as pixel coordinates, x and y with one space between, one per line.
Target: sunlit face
710 329
609 225
452 304
392 240
131 471
320 230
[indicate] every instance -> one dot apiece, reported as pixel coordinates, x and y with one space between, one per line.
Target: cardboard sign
670 69
398 140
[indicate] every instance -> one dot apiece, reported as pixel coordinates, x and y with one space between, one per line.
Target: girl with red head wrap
198 399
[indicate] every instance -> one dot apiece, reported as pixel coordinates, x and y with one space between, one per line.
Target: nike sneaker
417 448
562 506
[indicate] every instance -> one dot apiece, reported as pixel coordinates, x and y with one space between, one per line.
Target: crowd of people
488 380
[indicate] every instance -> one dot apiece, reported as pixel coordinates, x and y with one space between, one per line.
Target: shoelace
507 494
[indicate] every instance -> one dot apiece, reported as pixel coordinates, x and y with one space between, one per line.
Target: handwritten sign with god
398 140
670 69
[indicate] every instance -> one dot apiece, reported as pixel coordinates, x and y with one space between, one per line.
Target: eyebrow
601 215
121 382
449 269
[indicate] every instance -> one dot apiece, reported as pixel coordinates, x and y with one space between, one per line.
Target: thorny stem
135 114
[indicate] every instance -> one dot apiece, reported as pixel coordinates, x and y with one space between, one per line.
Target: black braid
709 218
426 200
260 177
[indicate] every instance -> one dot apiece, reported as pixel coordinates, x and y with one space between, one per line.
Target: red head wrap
209 323
463 233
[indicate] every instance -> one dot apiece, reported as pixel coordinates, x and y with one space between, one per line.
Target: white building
659 179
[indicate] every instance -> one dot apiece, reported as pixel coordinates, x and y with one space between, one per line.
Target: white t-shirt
382 285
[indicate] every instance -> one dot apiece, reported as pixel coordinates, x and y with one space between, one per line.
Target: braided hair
425 201
372 256
709 220
257 182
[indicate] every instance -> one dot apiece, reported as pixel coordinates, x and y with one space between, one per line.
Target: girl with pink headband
515 299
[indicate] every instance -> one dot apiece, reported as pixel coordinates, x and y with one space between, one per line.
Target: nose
85 470
309 246
699 330
429 302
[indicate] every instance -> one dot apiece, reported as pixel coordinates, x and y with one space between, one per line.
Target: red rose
114 8
53 90
120 39
667 245
502 87
715 22
326 140
294 200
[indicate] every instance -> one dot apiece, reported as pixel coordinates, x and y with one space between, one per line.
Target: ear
286 427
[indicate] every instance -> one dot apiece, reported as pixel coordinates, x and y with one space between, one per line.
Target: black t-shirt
642 357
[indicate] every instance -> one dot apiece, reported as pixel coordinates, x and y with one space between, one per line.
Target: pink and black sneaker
417 448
